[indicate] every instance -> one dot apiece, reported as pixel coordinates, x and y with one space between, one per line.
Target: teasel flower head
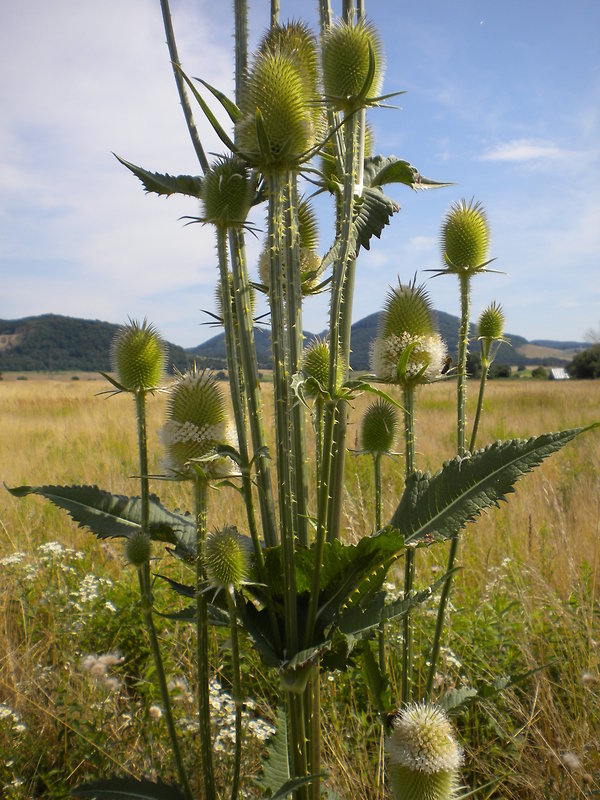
218 299
227 192
408 350
423 755
379 428
315 365
197 424
138 549
227 558
139 356
353 65
280 110
490 326
465 238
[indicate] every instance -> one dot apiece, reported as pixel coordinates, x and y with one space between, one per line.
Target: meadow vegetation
77 692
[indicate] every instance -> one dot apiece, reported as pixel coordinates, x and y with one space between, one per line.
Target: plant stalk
409 557
238 696
485 368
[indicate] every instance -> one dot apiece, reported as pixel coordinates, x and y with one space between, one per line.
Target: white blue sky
503 98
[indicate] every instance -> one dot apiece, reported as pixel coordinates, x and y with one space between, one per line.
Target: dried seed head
139 356
465 237
227 558
348 52
138 549
316 365
196 425
379 428
491 323
423 754
227 192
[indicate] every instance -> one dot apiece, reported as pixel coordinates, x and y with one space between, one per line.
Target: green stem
146 595
274 12
206 751
485 366
238 697
409 557
253 393
241 46
185 103
381 627
463 342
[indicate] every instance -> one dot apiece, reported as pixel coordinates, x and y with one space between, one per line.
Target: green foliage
126 789
586 364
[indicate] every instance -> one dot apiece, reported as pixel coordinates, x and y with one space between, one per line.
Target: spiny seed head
407 309
423 754
297 41
227 558
196 425
347 52
251 294
139 356
408 360
138 549
379 427
276 88
491 322
465 237
316 364
227 192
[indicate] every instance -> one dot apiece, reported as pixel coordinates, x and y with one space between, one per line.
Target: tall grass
527 592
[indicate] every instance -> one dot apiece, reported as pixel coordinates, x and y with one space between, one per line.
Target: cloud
526 150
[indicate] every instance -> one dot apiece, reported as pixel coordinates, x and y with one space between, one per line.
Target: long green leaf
380 170
163 184
109 515
438 507
126 789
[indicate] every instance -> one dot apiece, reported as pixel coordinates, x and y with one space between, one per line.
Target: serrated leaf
373 212
276 765
437 507
127 789
109 515
380 170
163 184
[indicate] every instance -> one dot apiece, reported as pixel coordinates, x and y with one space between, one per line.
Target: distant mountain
517 352
53 343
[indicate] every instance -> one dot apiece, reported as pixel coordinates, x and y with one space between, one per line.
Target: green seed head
379 428
407 309
227 558
138 549
491 323
197 423
465 237
295 40
423 755
139 356
227 192
347 53
276 88
316 365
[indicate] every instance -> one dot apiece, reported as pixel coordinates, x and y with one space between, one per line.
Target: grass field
77 698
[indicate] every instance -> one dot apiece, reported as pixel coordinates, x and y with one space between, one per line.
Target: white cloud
526 150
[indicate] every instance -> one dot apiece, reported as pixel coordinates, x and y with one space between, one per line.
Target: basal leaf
109 515
437 507
157 183
276 765
126 789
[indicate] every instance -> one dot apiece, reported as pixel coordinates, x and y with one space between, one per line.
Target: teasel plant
308 601
490 333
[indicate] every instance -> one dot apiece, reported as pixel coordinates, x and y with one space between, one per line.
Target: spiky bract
197 424
349 53
138 549
407 350
139 356
491 323
423 754
227 558
227 192
465 237
316 365
379 428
